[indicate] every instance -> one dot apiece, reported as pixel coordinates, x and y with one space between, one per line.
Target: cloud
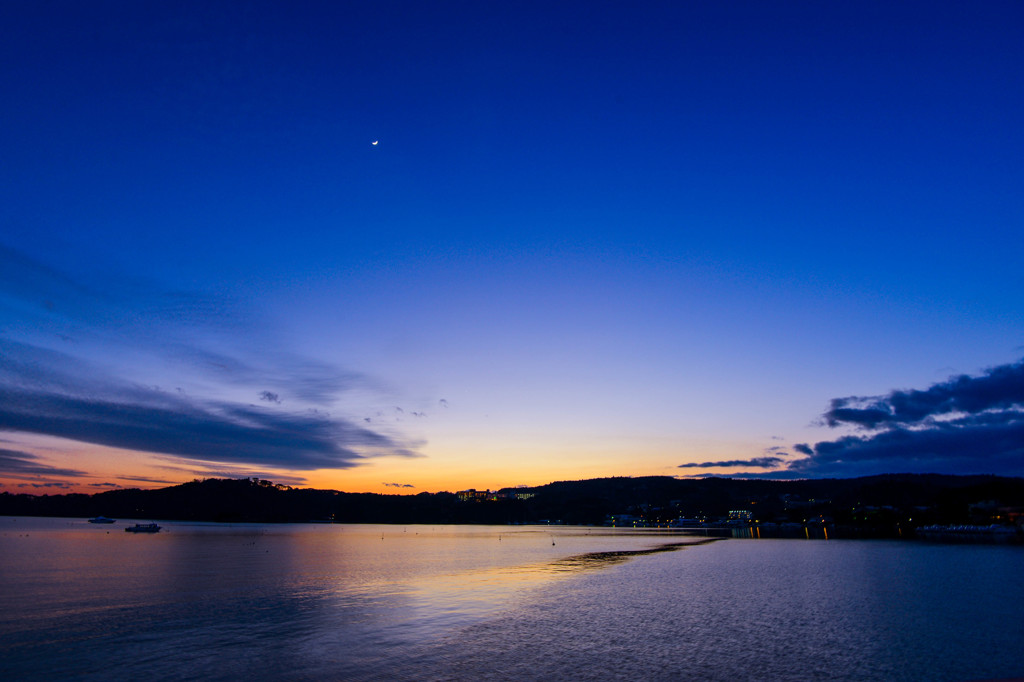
766 462
66 349
139 322
39 288
150 420
398 485
999 388
963 447
15 462
965 425
49 304
147 479
305 379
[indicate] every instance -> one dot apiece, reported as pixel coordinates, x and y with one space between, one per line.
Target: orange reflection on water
463 591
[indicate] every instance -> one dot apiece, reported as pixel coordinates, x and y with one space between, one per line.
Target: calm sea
334 602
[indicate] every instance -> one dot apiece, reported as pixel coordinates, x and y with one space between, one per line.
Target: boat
101 519
143 528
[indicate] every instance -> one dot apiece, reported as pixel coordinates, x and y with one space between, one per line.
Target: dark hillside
878 500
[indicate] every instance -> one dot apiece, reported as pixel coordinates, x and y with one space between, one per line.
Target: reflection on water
815 531
461 594
602 559
771 610
82 600
211 601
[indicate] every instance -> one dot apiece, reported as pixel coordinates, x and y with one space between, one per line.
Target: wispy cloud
766 462
52 387
147 479
53 484
398 485
968 424
40 394
16 462
295 377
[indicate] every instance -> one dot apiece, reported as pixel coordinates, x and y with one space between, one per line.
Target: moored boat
101 519
143 528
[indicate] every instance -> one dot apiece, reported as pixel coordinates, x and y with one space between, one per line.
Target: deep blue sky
612 239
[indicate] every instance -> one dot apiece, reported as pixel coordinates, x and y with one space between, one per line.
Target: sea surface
363 602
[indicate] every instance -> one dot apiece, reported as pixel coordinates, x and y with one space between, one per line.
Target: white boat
143 528
101 519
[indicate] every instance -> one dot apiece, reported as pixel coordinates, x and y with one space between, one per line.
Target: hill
879 502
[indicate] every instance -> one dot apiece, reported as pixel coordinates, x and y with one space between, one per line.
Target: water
323 602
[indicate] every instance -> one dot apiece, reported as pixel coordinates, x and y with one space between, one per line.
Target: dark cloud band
212 431
766 462
16 462
963 425
49 393
999 388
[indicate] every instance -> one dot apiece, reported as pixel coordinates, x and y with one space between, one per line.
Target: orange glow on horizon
72 467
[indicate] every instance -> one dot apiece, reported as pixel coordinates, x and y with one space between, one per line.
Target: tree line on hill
876 501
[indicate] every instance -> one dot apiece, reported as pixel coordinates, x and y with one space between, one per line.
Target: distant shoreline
893 506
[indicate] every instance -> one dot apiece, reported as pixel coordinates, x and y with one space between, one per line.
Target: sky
406 247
